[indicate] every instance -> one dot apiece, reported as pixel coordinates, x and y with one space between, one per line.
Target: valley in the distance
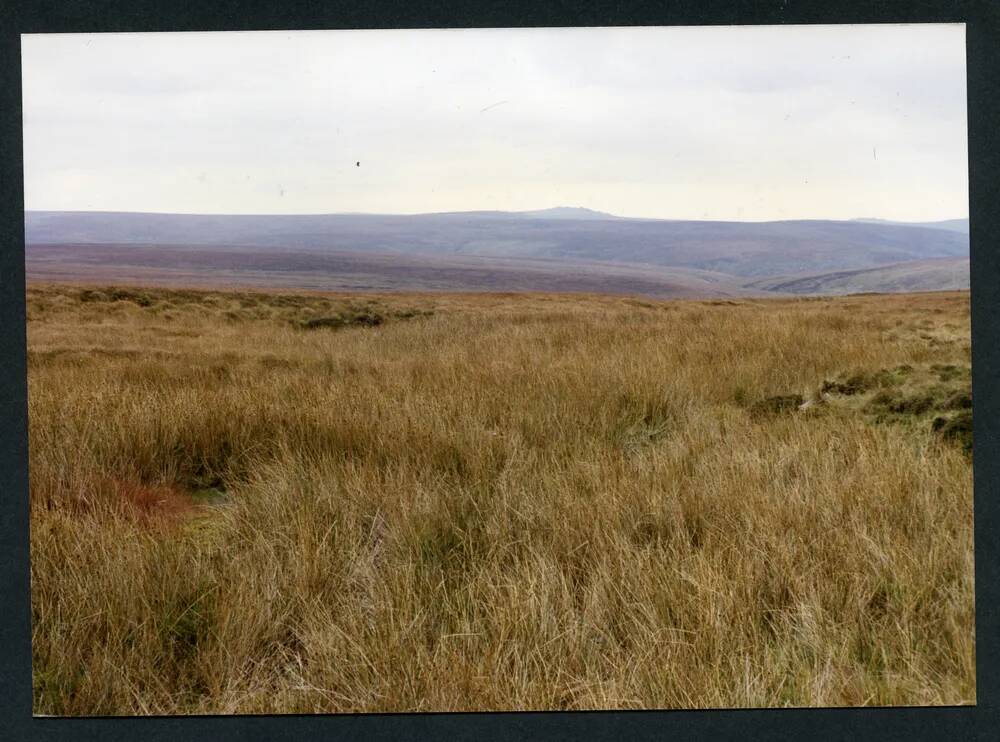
563 249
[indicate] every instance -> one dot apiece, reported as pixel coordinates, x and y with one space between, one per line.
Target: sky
741 123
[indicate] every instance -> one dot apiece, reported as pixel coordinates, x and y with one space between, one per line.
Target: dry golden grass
494 502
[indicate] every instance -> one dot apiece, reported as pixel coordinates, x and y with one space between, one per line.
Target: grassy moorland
261 502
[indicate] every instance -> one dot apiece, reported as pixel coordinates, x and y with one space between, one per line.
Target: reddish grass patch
152 504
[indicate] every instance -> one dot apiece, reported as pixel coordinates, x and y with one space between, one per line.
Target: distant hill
954 225
567 212
743 249
332 270
919 275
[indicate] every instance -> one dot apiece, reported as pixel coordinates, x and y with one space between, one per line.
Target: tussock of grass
913 396
902 404
956 428
366 317
776 405
518 502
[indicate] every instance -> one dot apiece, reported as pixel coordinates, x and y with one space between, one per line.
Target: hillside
335 270
743 249
954 225
943 274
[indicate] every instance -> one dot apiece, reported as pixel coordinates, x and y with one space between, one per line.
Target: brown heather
448 502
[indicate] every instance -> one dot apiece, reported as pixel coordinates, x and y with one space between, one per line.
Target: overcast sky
704 123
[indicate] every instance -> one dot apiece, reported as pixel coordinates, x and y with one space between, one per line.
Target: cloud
723 122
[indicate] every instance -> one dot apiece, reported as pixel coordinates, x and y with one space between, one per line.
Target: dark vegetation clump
957 401
115 294
949 372
776 405
911 397
206 475
956 429
133 296
901 404
90 295
882 400
856 384
860 383
304 311
411 313
366 316
363 318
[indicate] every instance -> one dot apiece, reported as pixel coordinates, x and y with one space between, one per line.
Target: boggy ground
264 502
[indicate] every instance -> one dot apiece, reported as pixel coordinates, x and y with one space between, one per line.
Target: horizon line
493 211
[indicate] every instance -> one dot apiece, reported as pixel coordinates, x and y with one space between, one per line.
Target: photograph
499 369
